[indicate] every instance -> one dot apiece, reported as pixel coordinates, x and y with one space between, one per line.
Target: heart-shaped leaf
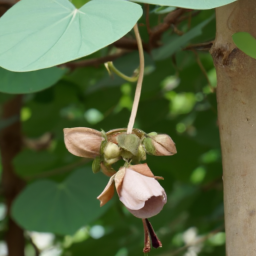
246 43
37 34
46 206
29 82
189 4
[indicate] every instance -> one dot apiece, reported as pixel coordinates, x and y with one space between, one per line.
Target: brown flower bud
159 144
83 142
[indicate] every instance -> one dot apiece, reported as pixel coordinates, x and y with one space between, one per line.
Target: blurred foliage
177 99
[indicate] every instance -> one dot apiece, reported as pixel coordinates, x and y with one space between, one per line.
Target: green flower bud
142 153
96 165
111 161
111 150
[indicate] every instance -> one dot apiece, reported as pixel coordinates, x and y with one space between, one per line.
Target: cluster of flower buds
136 186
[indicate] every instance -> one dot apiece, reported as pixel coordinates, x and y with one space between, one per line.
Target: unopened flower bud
141 156
111 150
96 164
142 153
159 144
83 142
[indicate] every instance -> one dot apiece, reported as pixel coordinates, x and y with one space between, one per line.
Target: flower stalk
139 83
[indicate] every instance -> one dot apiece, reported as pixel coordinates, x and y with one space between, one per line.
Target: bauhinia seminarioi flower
83 142
137 189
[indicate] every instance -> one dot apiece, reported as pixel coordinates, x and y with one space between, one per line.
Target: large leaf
37 34
29 162
46 206
29 82
189 4
178 42
246 43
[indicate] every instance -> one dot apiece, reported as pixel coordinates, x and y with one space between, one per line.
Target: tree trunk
236 97
10 145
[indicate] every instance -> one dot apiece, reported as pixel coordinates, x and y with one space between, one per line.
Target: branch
94 62
158 30
198 241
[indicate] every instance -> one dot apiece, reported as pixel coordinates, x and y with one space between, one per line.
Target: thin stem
139 83
147 246
111 67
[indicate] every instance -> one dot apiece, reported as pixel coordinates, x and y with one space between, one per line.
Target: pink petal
82 141
108 192
137 189
151 208
119 177
142 169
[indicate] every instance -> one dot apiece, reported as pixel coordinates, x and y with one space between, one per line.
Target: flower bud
141 156
159 144
111 150
96 164
83 142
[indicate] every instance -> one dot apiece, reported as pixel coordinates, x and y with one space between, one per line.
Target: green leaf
163 10
246 43
37 34
29 82
169 49
29 162
63 208
189 4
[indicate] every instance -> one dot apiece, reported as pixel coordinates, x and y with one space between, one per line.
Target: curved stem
139 83
112 68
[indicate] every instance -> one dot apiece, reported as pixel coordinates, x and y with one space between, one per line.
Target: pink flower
138 190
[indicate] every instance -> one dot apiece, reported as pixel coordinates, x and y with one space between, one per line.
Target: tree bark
10 145
236 97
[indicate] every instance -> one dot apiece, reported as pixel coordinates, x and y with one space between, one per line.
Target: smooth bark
236 97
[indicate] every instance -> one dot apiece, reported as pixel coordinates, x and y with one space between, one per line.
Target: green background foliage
177 98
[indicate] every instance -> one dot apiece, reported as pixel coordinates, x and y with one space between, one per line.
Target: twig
147 19
200 47
148 26
57 171
198 241
94 62
37 250
158 30
139 83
